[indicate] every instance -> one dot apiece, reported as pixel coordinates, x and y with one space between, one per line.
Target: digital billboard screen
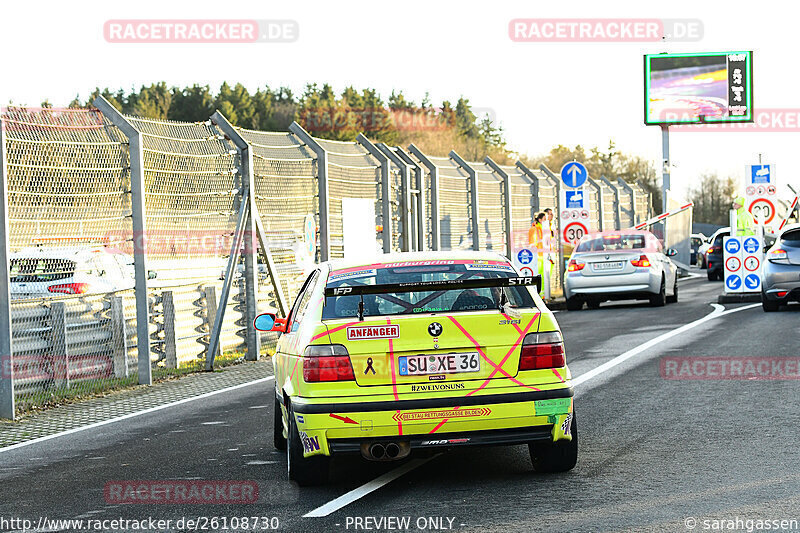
698 88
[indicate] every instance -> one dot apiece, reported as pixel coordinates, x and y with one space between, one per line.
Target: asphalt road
655 453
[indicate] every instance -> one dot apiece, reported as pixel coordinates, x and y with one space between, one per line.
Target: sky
542 94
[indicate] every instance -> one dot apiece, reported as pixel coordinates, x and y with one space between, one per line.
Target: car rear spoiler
455 284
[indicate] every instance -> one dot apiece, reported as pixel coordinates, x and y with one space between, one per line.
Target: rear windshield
36 269
610 243
719 238
423 301
791 237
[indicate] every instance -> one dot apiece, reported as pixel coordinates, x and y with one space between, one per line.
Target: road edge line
134 414
371 486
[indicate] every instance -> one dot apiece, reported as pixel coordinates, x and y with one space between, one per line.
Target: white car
624 265
44 271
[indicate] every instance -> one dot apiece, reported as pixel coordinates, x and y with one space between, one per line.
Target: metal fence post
421 199
252 337
119 337
7 408
322 179
211 318
170 349
139 235
600 207
405 203
535 182
473 198
58 342
507 212
622 183
386 190
617 214
434 172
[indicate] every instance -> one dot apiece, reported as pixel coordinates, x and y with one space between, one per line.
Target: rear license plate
613 265
445 363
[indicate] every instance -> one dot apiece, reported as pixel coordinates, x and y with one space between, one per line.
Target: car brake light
574 266
542 350
642 262
781 294
710 251
69 288
327 362
778 255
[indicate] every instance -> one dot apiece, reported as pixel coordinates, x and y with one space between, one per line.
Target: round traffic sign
752 282
574 174
760 190
574 231
733 282
526 271
752 263
770 189
751 191
732 264
525 256
732 245
762 210
584 214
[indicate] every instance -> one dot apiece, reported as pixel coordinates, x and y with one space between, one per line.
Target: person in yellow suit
536 241
745 223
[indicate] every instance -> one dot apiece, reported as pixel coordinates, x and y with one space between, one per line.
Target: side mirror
152 274
270 322
671 252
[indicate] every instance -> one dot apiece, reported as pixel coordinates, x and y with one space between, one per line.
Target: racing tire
305 471
593 304
574 304
674 298
277 428
659 299
767 305
561 456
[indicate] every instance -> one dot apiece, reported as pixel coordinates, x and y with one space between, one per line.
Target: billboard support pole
665 184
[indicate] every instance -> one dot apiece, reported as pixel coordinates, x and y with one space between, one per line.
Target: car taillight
778 255
327 362
642 262
542 350
574 266
710 251
69 288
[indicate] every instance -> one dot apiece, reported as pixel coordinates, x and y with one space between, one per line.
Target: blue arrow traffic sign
732 245
750 245
525 256
574 174
733 282
752 281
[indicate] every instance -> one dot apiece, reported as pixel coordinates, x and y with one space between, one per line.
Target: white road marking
257 463
371 486
214 423
135 414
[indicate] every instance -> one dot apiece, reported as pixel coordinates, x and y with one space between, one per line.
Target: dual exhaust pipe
385 451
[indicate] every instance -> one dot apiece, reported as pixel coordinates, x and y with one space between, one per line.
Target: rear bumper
632 285
491 419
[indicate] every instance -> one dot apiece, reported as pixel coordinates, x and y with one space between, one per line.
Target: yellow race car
419 351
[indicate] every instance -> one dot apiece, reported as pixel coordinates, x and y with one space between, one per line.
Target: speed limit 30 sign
574 231
762 209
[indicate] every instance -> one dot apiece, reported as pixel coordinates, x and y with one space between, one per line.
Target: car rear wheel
574 304
305 471
558 456
660 298
710 275
767 305
674 298
277 428
593 304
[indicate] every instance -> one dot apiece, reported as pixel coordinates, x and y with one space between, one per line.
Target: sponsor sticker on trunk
357 333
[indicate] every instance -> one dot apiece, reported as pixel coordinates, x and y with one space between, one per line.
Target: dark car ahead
714 257
781 275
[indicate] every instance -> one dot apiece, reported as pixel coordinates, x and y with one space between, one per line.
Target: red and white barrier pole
789 212
662 216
